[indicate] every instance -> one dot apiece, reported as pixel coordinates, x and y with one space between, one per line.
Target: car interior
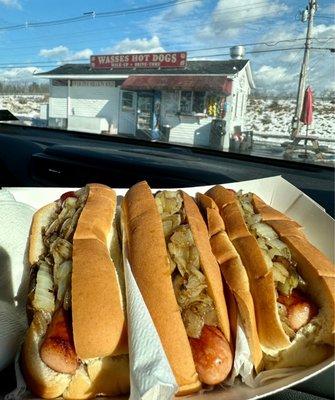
33 156
161 101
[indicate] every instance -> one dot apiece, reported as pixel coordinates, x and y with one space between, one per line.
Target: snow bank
274 117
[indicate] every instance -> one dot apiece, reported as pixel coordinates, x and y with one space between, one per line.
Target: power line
170 19
316 62
103 30
41 63
268 43
225 11
93 14
27 66
166 30
292 64
263 51
14 64
27 63
324 17
84 58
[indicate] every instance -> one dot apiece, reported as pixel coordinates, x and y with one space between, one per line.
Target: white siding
169 108
237 102
87 124
58 102
189 131
95 101
237 105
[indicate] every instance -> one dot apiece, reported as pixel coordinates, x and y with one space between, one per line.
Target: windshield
249 77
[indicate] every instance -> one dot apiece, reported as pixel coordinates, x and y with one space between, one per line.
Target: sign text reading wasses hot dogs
145 60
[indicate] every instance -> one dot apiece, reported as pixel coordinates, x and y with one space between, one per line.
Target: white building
147 102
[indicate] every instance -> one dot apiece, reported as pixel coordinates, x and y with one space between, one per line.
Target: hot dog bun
208 262
151 268
313 266
98 307
270 331
234 274
99 327
313 340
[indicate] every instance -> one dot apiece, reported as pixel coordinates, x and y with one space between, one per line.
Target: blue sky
188 25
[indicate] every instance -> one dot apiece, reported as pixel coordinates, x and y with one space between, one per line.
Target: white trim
107 76
250 77
68 111
83 77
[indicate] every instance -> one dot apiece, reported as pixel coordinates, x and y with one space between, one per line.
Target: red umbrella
307 110
307 113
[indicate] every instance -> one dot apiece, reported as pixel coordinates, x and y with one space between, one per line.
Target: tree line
23 88
264 94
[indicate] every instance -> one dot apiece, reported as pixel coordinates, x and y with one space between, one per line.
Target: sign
59 82
93 83
144 60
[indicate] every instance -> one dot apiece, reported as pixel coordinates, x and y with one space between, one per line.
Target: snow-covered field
273 117
264 117
24 107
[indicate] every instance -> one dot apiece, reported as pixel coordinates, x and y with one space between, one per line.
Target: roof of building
227 67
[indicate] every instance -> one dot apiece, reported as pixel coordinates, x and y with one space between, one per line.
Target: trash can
241 142
165 133
217 133
247 142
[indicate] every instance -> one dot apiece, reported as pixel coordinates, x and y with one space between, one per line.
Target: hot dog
290 280
234 275
77 331
179 278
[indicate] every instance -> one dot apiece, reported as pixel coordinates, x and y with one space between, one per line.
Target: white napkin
243 366
15 220
151 376
5 195
20 392
12 329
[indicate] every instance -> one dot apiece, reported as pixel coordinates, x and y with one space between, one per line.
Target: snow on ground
264 116
25 107
268 116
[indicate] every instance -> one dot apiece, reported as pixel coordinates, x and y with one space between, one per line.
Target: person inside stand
156 124
225 108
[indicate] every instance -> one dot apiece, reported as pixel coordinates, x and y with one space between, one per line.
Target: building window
128 101
185 102
170 101
199 102
214 105
192 102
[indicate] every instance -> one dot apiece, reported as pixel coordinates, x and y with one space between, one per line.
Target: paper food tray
279 193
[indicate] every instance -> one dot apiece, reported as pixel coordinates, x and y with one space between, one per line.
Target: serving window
128 101
192 102
185 102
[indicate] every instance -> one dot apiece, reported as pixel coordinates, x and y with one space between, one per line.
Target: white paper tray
279 193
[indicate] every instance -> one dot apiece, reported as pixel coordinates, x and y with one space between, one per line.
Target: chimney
237 52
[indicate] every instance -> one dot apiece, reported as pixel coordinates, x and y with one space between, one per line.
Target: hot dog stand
155 95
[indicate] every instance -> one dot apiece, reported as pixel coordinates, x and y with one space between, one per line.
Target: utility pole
308 15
